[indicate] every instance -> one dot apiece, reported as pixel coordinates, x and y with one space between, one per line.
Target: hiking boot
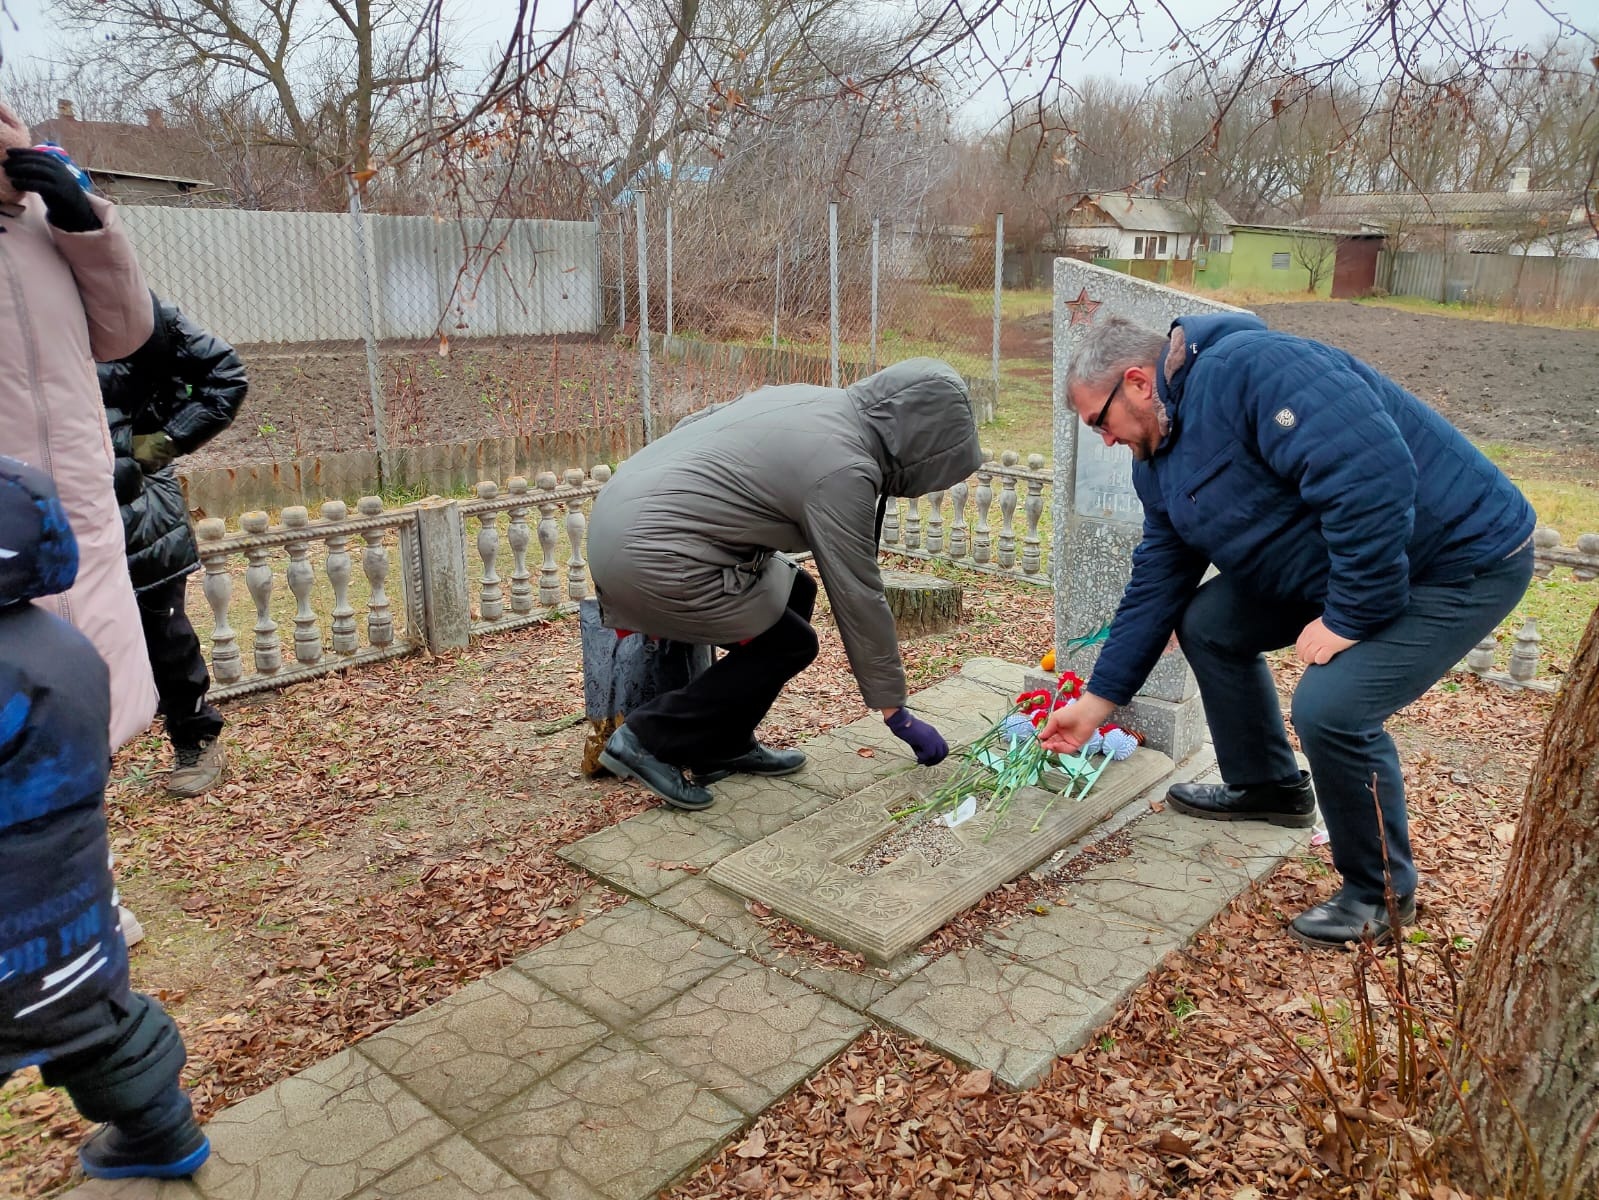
625 755
757 760
172 1149
1334 923
132 931
197 767
1292 805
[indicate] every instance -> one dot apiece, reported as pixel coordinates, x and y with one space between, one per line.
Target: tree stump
619 674
922 604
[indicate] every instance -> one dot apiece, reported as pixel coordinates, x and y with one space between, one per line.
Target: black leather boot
1289 804
757 760
1334 923
163 1143
625 756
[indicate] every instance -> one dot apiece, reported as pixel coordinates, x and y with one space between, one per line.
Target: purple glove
925 742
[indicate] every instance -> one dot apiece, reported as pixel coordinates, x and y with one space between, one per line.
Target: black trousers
130 1078
178 663
714 717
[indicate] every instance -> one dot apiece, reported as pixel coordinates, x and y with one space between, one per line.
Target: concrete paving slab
989 1011
453 1170
838 767
749 1033
621 965
327 1132
995 674
749 807
629 855
617 1122
1104 953
483 1045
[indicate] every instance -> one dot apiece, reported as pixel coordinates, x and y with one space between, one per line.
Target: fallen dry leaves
386 837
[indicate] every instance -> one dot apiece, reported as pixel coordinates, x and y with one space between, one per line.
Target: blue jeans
1339 708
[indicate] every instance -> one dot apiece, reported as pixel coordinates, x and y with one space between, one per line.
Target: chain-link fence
833 292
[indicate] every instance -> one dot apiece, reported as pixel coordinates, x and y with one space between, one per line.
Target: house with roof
152 163
1517 220
1121 225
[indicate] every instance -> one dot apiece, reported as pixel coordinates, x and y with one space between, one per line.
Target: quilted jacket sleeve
839 523
215 375
1165 572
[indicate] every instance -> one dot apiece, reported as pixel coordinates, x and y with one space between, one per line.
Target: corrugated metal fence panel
1507 280
290 277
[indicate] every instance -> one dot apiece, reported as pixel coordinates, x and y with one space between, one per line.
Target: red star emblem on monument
1083 309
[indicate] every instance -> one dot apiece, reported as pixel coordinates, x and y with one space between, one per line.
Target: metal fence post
832 288
777 294
871 354
369 332
644 319
999 283
621 268
668 270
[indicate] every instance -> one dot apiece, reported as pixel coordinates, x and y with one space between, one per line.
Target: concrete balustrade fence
346 589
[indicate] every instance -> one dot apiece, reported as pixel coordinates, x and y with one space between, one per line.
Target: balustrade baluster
1032 557
958 540
339 569
549 573
226 666
1544 538
258 580
307 630
375 566
982 545
1481 657
1587 544
935 523
1007 512
913 523
577 579
1524 654
491 596
891 522
519 536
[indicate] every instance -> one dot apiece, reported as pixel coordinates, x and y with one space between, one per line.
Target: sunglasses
1099 421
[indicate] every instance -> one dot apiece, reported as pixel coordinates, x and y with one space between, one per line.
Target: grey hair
1108 347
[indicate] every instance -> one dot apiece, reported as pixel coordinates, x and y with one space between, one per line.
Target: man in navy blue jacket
65 1003
1346 519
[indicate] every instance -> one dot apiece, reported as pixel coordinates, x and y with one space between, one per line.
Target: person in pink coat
71 293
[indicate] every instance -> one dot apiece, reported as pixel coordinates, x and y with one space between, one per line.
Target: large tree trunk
1529 1054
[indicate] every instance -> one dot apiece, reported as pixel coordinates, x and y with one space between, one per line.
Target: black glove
65 202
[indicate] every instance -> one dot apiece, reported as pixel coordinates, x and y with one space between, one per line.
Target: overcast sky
479 24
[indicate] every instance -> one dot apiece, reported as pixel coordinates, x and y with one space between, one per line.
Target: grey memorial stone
1098 520
808 872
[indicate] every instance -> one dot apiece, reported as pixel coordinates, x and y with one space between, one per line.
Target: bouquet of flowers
1009 757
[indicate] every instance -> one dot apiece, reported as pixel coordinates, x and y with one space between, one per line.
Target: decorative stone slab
483 1045
626 962
617 1122
629 854
452 1170
1103 952
803 871
748 1033
326 1132
988 1011
749 807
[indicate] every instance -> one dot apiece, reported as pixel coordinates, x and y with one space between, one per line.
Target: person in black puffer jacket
65 1003
171 396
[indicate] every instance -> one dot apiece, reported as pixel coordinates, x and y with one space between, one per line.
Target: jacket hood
38 554
920 415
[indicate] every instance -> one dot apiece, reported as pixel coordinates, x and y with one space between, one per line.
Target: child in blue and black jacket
65 1003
